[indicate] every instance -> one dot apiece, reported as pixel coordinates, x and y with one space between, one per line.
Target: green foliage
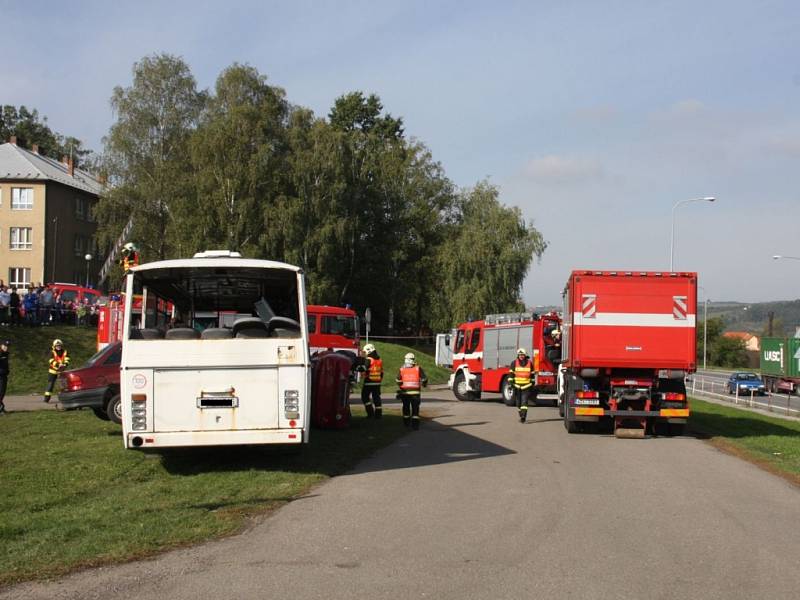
369 215
728 352
722 351
147 156
74 497
393 356
483 264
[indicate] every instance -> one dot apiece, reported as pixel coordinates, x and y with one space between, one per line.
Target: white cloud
556 170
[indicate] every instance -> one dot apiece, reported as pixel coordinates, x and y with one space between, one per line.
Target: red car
95 385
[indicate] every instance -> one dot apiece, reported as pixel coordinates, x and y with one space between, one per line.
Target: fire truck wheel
677 429
114 409
572 426
460 388
507 389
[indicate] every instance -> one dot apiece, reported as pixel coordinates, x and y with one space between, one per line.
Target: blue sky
594 118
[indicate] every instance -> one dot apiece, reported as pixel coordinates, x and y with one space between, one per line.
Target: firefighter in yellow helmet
373 377
522 373
59 361
411 379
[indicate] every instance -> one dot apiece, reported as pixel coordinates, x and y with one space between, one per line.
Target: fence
710 387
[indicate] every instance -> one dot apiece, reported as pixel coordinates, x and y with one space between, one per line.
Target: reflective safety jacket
522 370
58 362
374 371
411 379
130 261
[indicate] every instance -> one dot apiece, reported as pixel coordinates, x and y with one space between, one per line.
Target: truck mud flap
632 429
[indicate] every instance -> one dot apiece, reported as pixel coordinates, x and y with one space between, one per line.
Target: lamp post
88 258
672 234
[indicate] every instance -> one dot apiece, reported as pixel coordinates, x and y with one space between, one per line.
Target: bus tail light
291 404
138 412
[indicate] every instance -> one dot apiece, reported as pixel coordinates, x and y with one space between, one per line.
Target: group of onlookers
42 305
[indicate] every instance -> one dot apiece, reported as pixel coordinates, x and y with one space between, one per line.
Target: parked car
746 383
95 385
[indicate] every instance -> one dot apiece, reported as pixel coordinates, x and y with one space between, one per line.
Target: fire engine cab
483 351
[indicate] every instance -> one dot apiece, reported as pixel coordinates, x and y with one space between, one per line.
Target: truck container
780 364
628 343
484 349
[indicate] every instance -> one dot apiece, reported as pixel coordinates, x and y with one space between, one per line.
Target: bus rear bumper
171 439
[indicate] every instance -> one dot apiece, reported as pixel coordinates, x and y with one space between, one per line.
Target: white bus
189 379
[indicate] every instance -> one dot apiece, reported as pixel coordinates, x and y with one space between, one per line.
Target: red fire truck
483 351
628 343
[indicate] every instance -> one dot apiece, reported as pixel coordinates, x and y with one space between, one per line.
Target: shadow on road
335 452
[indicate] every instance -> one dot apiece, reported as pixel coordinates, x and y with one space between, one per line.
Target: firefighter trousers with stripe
522 397
411 404
372 406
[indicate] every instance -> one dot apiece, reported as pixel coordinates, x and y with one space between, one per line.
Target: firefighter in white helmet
522 381
410 381
372 366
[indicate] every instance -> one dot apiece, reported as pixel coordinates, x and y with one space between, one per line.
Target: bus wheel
507 389
460 388
114 409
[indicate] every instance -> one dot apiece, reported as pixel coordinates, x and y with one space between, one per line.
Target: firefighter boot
370 410
523 413
46 397
415 423
378 412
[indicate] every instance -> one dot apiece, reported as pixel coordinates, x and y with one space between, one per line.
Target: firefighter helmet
57 343
410 359
556 333
129 248
369 349
522 351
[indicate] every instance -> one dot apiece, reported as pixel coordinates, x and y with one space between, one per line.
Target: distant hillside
753 317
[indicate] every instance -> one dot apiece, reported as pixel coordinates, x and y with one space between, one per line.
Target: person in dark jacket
3 373
14 305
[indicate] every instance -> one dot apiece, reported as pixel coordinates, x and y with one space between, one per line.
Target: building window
80 245
21 198
19 277
21 238
80 208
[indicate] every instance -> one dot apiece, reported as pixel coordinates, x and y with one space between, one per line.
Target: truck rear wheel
507 389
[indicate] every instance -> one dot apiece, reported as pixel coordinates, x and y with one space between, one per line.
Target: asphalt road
479 506
714 381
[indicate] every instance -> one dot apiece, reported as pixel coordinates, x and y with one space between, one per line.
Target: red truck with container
484 349
628 342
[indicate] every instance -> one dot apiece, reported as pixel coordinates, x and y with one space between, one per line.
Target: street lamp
778 256
672 235
88 258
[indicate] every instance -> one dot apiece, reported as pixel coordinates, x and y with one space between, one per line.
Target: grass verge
73 497
29 353
392 356
767 441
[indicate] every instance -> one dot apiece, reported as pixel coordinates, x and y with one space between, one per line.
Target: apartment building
46 223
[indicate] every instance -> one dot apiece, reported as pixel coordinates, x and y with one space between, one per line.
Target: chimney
70 167
35 148
12 140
